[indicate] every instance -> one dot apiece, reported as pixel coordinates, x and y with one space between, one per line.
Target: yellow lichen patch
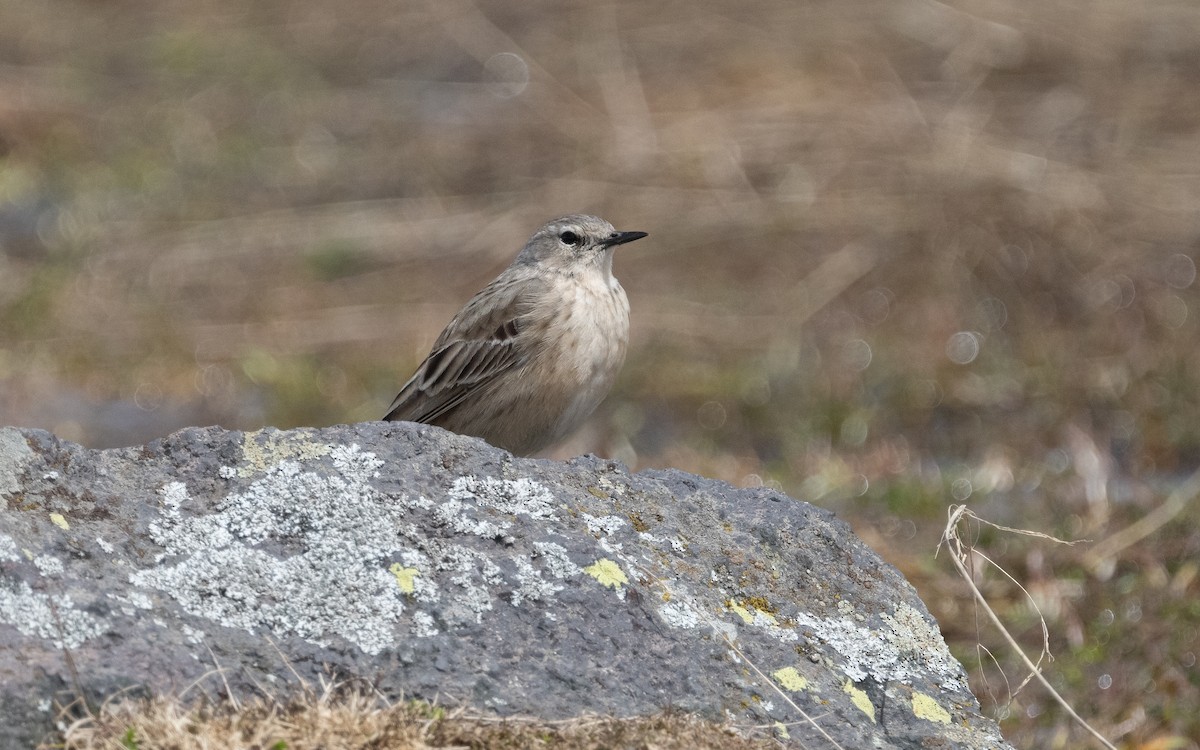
607 572
405 577
60 521
790 679
597 492
925 707
261 456
781 731
751 610
740 611
760 603
860 699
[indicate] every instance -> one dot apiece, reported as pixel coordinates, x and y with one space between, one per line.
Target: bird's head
575 242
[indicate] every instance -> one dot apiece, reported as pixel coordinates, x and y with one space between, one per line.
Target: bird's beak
620 238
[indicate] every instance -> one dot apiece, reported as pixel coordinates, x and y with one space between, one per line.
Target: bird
534 352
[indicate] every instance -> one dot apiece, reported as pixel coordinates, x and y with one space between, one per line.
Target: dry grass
347 719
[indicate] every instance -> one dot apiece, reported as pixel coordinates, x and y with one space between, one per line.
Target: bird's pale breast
588 334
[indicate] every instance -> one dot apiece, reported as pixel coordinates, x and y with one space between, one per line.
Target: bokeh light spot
507 74
854 430
857 354
963 347
1180 271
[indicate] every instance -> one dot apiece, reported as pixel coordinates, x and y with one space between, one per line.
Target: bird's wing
476 347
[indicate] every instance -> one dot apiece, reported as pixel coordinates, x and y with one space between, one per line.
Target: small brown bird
535 351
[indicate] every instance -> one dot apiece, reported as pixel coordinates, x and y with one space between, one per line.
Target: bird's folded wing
472 352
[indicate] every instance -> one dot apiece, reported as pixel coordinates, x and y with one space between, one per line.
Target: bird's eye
569 238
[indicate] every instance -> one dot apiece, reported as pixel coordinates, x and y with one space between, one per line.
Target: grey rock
436 566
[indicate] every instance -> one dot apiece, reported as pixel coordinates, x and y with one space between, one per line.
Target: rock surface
436 566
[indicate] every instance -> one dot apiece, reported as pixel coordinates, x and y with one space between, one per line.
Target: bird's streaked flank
535 351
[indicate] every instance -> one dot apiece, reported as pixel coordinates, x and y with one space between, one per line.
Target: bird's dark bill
620 238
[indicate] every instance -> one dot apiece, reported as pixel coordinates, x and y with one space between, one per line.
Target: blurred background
902 254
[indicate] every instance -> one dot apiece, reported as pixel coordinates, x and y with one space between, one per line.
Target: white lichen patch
509 497
52 618
8 549
140 600
555 558
515 497
681 609
678 615
424 625
917 639
866 653
542 580
354 540
908 647
339 584
606 525
532 585
456 514
48 565
475 576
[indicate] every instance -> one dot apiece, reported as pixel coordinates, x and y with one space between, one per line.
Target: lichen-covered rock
434 565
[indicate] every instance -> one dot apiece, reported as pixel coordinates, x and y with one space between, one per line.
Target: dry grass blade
1175 503
960 553
835 274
